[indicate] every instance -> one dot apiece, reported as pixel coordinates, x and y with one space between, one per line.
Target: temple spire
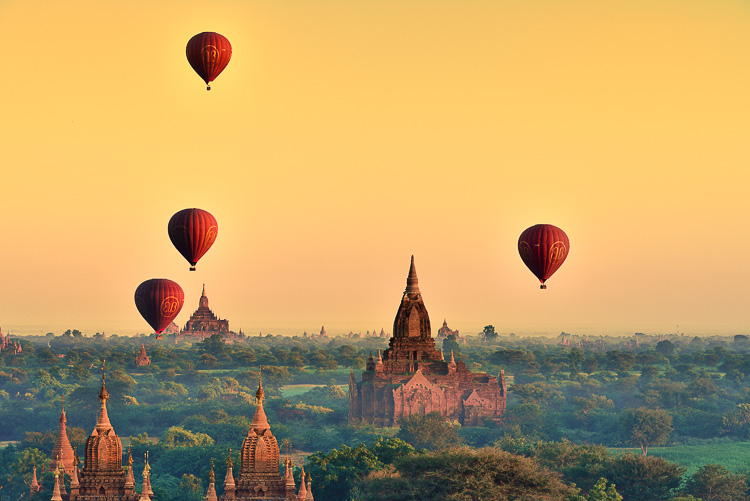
211 493
412 282
309 496
103 424
75 483
34 483
302 493
260 421
229 486
62 452
130 478
56 490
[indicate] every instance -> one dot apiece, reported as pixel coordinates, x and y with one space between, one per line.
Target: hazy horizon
334 329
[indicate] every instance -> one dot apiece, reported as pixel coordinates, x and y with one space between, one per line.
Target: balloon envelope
193 232
543 248
159 301
208 53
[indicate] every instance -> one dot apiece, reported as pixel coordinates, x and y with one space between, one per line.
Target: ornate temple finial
260 394
412 283
130 455
103 395
260 421
204 290
63 418
302 493
56 490
229 458
212 475
453 360
380 357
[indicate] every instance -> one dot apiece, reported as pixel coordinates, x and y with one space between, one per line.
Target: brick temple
102 477
204 323
411 377
260 477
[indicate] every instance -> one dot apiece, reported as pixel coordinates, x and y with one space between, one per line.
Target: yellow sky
345 136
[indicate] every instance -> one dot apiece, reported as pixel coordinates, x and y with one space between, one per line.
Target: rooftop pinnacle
260 421
412 282
103 424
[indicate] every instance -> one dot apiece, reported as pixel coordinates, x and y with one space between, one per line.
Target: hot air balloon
192 232
208 53
543 248
159 301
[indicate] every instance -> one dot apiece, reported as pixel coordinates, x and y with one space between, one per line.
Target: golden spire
229 458
412 282
212 475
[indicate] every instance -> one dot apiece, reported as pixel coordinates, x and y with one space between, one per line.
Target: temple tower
259 476
412 377
62 450
102 477
142 358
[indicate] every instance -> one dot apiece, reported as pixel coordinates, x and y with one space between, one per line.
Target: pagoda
411 377
142 359
259 476
203 323
102 477
62 453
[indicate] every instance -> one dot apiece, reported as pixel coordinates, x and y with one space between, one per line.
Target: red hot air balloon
208 53
159 301
543 248
192 232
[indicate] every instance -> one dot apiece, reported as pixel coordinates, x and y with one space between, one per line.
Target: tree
191 488
450 345
645 427
489 334
334 390
644 477
464 474
177 436
589 365
336 472
665 347
593 402
431 432
600 492
213 345
716 482
737 422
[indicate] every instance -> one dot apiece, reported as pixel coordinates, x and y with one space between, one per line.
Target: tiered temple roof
412 376
102 477
259 476
203 323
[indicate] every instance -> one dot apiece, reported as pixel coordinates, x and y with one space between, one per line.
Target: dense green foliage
568 398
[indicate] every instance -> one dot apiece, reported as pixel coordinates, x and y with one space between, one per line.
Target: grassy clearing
295 390
733 455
